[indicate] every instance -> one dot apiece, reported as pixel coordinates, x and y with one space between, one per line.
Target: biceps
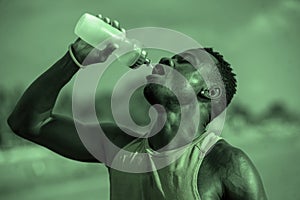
59 134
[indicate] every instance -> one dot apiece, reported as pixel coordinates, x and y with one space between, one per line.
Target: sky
259 38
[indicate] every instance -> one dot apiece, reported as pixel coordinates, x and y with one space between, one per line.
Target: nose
167 61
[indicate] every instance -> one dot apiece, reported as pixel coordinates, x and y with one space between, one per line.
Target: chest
188 177
168 183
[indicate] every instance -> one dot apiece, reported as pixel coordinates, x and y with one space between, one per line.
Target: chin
150 93
158 94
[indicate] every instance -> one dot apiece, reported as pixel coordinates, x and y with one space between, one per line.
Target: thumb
107 51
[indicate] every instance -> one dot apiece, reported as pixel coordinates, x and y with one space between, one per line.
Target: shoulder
229 160
224 154
239 176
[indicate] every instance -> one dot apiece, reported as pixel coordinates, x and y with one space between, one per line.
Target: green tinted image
149 100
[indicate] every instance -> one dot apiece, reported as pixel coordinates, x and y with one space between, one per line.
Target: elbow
23 126
13 124
26 126
17 125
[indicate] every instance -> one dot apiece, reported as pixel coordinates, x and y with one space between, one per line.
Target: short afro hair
225 70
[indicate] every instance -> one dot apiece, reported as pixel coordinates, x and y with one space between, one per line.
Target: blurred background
260 38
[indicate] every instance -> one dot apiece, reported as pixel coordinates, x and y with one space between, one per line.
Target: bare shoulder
226 155
239 176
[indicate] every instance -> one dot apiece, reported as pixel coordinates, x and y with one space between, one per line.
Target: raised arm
32 117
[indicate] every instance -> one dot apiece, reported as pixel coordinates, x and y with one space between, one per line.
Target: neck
168 125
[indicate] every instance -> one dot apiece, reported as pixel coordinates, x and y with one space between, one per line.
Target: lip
158 69
153 77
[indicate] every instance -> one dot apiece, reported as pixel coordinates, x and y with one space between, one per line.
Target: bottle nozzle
147 61
142 59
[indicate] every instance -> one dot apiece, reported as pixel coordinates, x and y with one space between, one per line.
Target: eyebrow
193 61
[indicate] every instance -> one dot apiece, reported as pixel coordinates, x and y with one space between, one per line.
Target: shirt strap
208 143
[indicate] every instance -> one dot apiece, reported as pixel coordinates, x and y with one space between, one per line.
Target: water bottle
94 31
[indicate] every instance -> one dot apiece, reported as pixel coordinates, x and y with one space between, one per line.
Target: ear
213 93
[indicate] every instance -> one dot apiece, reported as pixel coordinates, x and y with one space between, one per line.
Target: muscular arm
33 119
37 102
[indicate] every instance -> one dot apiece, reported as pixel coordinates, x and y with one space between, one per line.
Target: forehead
203 63
198 57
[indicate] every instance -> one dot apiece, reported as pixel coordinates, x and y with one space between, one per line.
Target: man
224 173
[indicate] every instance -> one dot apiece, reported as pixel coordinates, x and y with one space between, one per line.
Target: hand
81 49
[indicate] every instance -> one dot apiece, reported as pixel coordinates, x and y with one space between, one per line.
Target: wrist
76 59
67 65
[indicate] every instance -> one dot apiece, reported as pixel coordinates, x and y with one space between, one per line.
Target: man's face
176 75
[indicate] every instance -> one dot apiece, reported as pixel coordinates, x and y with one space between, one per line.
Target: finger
99 16
116 24
122 30
107 20
110 47
107 51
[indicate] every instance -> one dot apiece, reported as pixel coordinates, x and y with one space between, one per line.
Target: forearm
39 99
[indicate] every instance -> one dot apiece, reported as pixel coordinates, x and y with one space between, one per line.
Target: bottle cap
142 59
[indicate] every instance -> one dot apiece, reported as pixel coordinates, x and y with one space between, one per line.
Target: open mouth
158 69
152 77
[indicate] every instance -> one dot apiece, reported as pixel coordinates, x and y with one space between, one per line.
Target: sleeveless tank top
176 181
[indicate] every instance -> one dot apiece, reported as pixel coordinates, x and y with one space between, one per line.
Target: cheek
185 93
157 92
181 87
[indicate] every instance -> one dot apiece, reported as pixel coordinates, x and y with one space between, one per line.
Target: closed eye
185 59
179 59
